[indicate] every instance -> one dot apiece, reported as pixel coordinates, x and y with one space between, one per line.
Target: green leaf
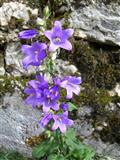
56 157
71 106
46 12
77 150
40 150
45 148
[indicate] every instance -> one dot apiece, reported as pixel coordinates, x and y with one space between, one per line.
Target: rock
17 122
17 10
2 70
63 68
12 35
84 111
115 91
113 150
97 144
84 128
14 17
13 58
96 21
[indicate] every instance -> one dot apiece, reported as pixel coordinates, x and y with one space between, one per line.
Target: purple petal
65 114
68 33
58 24
67 122
25 49
76 89
54 106
33 84
74 80
48 34
57 31
67 45
69 94
55 125
45 120
62 128
46 106
53 47
43 46
29 91
64 106
31 100
26 61
28 34
42 55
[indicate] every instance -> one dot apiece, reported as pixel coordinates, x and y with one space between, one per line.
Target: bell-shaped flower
34 54
71 84
45 119
64 106
28 34
35 91
51 96
62 121
58 37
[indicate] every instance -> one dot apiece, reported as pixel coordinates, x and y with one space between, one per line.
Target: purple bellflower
51 96
40 94
45 120
71 84
62 121
34 54
28 34
35 91
64 106
58 37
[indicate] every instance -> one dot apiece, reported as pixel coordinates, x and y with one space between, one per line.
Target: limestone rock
96 21
16 10
17 122
2 69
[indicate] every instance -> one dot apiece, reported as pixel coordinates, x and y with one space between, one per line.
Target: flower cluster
39 92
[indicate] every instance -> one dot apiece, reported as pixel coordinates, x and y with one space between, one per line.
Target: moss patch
8 83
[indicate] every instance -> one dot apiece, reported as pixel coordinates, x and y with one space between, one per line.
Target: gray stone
84 111
115 91
17 10
63 68
97 144
17 122
84 128
2 69
96 21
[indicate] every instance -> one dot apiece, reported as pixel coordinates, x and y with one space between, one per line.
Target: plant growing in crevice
60 142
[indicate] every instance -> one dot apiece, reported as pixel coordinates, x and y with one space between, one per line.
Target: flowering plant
60 143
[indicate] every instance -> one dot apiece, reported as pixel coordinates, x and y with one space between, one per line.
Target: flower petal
69 93
55 125
62 128
28 34
53 47
67 45
41 55
25 49
68 33
27 61
48 34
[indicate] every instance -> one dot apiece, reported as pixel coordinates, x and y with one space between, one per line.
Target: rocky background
95 55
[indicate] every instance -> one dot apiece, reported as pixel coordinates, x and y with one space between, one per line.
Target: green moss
8 83
11 155
95 65
99 69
